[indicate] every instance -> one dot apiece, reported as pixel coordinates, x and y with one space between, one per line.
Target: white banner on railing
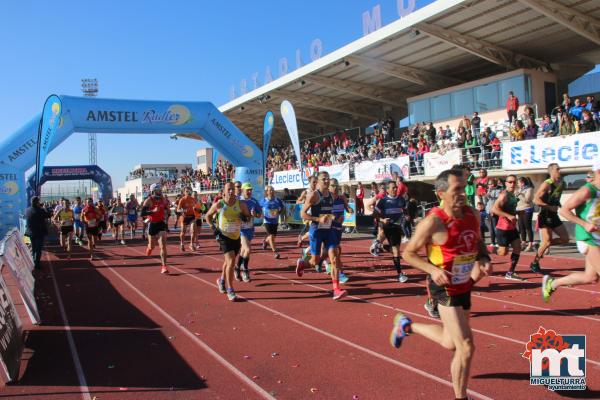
379 170
435 163
578 150
15 254
341 172
291 179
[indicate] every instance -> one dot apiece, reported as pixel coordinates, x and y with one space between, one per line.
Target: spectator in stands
470 188
528 113
517 132
481 184
576 110
548 127
486 146
360 195
590 103
587 123
288 196
512 106
37 219
476 124
472 147
566 102
531 132
493 192
525 212
431 132
465 123
566 125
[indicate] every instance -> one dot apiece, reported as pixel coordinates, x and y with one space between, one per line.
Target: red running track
137 334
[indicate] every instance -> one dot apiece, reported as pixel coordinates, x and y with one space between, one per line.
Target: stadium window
420 111
440 107
486 97
462 102
201 160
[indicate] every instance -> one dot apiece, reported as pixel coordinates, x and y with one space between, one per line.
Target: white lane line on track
83 386
263 393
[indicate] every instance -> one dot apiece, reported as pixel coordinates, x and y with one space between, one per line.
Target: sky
156 50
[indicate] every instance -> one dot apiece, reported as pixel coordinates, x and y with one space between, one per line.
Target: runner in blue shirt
272 207
78 224
247 233
390 211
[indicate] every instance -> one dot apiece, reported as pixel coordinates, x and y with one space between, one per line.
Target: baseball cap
154 186
596 166
247 185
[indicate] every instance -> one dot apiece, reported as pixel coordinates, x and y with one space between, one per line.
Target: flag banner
289 118
48 127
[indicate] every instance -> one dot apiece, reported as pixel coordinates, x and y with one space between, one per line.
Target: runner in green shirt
586 203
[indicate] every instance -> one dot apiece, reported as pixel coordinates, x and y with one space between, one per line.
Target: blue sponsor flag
267 133
46 131
215 156
289 118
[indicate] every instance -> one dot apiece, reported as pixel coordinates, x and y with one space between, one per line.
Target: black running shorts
155 227
439 295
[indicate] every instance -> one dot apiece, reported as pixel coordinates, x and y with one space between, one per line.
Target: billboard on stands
436 163
379 170
11 345
341 172
292 179
567 151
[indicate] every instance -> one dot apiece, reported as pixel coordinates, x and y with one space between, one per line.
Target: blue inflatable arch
84 114
73 173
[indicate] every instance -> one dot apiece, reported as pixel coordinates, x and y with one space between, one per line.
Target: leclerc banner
380 170
566 151
289 118
436 163
49 126
341 172
292 179
15 255
11 342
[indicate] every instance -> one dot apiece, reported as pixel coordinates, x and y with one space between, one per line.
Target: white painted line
83 386
263 393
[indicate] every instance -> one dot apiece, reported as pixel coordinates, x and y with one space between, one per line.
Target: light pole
89 87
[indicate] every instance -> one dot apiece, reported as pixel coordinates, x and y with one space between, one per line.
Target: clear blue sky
161 50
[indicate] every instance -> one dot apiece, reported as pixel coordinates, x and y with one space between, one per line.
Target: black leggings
526 226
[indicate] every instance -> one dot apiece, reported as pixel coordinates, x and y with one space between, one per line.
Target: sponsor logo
112 116
177 114
556 361
22 149
543 154
9 188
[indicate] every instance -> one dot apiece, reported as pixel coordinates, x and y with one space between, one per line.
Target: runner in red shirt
154 209
91 218
456 259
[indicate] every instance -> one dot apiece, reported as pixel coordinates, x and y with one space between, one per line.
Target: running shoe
535 267
148 251
276 256
123 242
343 277
300 267
192 247
514 276
231 294
402 277
432 309
236 274
339 293
246 275
181 247
221 285
164 269
374 250
318 267
264 245
402 328
547 289
327 267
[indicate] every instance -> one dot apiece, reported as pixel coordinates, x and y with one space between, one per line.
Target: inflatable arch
73 173
83 114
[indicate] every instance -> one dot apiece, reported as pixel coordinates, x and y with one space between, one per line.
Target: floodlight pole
89 87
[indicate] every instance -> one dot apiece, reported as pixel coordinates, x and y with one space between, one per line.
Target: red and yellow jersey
459 253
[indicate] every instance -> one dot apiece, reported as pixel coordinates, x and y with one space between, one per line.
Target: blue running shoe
343 277
402 328
327 267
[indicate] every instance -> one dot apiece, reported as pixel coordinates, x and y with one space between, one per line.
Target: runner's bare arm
483 255
245 210
575 200
313 199
497 207
422 236
214 209
302 198
537 199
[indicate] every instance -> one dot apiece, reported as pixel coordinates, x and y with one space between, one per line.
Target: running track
133 333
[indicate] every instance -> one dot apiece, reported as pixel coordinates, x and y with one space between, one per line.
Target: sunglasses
510 181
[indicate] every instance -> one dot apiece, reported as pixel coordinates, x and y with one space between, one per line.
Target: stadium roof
442 44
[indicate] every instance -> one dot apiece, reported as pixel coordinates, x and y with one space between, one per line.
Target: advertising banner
350 219
48 128
293 213
16 256
566 151
11 343
380 170
292 179
289 118
341 172
435 163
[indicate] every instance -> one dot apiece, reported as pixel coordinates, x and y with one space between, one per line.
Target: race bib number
118 218
132 212
67 222
273 213
461 268
327 223
231 226
247 225
91 223
77 216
